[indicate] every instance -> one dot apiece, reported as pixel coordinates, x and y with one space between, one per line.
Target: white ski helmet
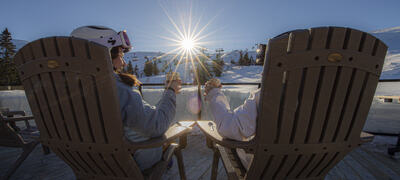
104 36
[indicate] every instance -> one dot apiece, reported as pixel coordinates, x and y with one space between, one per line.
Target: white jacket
239 124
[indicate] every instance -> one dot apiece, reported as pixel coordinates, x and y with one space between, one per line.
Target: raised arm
237 124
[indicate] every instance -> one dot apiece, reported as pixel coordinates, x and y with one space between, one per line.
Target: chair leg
46 150
178 154
214 168
29 148
394 149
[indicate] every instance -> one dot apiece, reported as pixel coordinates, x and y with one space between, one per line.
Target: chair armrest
183 138
187 123
366 137
209 128
13 113
170 135
15 119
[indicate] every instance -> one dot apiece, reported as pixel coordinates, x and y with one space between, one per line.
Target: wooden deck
370 161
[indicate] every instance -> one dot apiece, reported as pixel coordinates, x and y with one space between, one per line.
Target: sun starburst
188 38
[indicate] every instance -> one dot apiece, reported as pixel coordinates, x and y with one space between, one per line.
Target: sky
227 24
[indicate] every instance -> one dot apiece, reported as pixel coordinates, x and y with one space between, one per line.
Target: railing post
200 102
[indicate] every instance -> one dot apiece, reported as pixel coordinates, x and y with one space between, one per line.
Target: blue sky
232 24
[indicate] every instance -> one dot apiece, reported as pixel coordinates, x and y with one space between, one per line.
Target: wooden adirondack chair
9 137
316 92
71 90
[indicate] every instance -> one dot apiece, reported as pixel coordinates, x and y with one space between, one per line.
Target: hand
211 84
174 84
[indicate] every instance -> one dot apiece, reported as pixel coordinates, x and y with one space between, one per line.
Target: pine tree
155 68
252 62
129 69
202 68
164 66
246 59
136 71
261 54
241 60
218 63
148 68
8 70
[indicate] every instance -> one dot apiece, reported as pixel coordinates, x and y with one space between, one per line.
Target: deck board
369 161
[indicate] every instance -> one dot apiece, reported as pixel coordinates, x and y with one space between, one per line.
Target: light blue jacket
142 121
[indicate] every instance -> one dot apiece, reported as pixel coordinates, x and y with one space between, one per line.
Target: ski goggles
119 39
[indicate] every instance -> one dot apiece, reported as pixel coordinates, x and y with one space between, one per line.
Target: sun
188 44
189 38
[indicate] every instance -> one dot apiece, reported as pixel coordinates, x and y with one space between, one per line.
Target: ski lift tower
135 58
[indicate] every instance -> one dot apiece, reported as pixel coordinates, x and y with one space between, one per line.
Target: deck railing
235 84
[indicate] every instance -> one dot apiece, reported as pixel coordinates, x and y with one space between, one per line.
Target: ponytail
131 80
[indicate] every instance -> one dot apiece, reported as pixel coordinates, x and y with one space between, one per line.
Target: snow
242 74
391 67
391 37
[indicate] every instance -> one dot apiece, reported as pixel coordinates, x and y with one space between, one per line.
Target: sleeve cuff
170 93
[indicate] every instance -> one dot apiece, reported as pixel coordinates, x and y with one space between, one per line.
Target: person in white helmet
141 121
238 124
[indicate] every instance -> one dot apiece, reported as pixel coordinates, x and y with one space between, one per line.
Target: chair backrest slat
31 52
306 108
349 106
47 46
107 94
102 165
275 85
291 94
342 82
115 165
62 88
324 97
76 85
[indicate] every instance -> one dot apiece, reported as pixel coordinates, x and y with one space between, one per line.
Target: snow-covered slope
232 73
234 55
391 37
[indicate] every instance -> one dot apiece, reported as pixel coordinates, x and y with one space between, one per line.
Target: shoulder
127 91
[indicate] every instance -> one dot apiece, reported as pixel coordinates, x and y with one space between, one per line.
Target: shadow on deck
370 161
